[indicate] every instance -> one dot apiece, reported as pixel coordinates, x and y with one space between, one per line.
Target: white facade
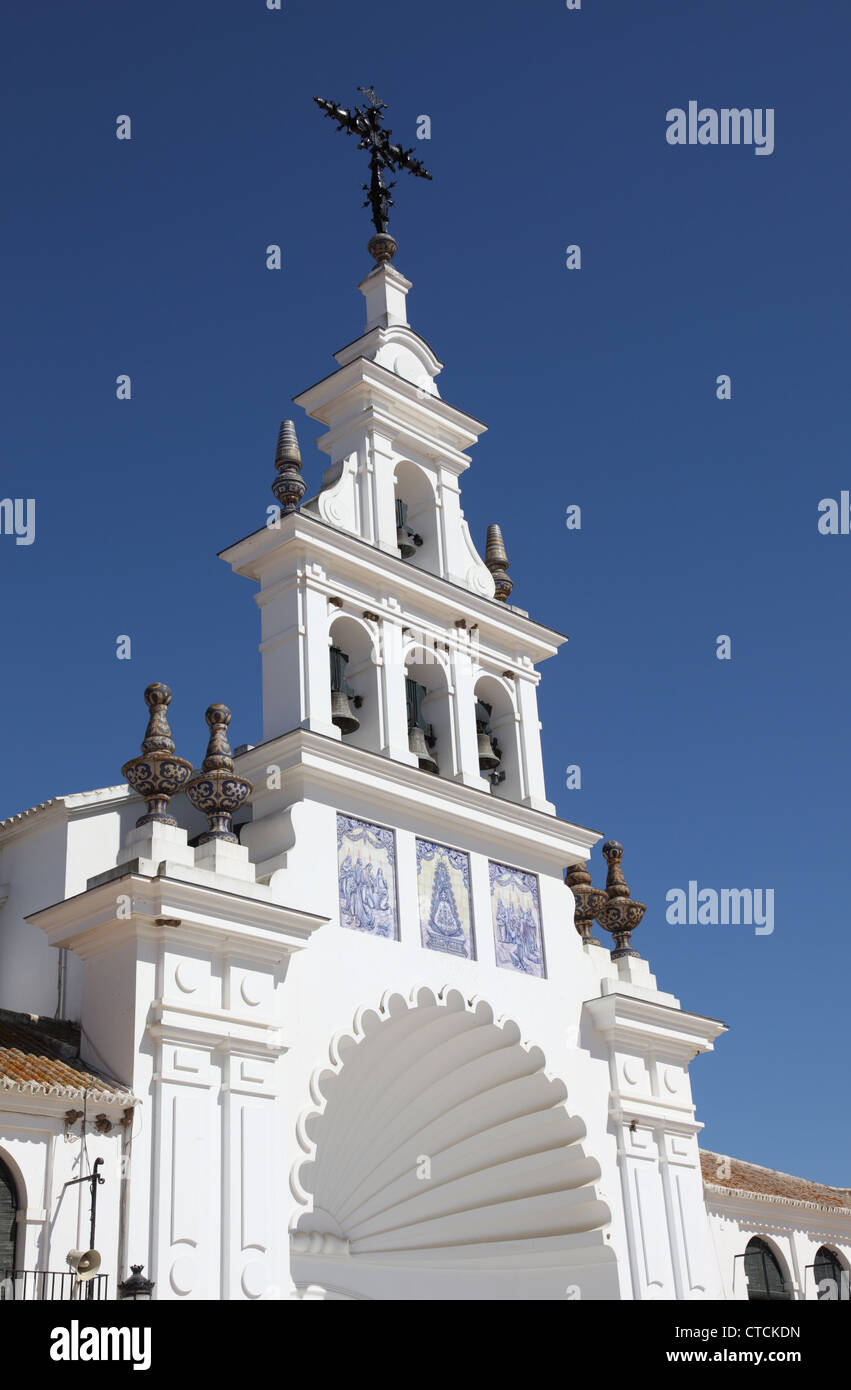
323 1111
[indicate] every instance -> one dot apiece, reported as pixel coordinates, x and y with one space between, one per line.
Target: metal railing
46 1285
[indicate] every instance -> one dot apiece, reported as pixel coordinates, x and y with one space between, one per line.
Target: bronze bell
343 696
406 539
420 749
342 713
490 756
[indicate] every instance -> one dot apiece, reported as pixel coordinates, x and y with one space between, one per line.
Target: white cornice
405 403
626 1020
738 1200
309 762
264 554
63 808
111 1096
252 922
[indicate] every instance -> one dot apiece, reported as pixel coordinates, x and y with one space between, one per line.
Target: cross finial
384 157
374 101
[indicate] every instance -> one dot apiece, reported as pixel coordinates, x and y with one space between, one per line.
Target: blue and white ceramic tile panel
443 889
366 868
516 915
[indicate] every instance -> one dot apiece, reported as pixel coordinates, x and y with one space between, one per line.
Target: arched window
831 1276
764 1275
496 718
8 1220
416 518
429 711
355 697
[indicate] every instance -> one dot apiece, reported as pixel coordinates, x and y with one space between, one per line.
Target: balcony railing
46 1285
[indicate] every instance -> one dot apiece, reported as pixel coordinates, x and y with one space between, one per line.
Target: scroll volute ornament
216 790
589 901
157 773
621 914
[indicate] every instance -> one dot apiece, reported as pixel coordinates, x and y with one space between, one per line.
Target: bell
406 540
342 695
419 748
488 758
342 713
489 754
403 540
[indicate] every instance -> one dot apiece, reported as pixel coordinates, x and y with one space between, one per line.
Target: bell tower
383 628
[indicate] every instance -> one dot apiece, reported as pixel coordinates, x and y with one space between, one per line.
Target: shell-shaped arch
441 1130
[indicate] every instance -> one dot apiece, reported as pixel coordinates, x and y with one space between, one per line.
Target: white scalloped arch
508 1183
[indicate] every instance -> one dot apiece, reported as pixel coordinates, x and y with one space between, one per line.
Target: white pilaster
384 290
531 758
468 771
650 1042
193 975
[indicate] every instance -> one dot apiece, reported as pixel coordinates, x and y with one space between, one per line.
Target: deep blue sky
699 517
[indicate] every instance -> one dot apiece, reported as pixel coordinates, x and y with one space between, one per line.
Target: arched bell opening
416 518
497 735
429 711
441 1162
355 699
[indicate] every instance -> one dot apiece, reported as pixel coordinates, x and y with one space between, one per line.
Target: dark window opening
764 1275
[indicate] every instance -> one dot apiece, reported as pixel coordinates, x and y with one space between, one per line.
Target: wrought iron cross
383 156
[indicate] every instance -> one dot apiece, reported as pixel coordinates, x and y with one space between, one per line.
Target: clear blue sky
699 517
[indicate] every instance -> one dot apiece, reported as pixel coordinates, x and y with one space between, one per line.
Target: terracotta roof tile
33 1058
765 1182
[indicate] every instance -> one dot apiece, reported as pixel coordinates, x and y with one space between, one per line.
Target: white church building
333 1010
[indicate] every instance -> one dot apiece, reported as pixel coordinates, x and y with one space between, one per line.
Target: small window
832 1278
8 1220
764 1275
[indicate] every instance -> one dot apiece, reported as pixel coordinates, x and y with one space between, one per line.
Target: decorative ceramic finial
620 914
382 247
157 774
289 487
496 560
217 791
589 901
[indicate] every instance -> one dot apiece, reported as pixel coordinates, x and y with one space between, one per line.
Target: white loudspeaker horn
85 1263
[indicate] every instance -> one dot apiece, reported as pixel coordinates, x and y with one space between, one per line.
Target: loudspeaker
85 1263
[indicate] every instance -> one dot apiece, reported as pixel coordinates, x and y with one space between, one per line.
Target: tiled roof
735 1175
42 1057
